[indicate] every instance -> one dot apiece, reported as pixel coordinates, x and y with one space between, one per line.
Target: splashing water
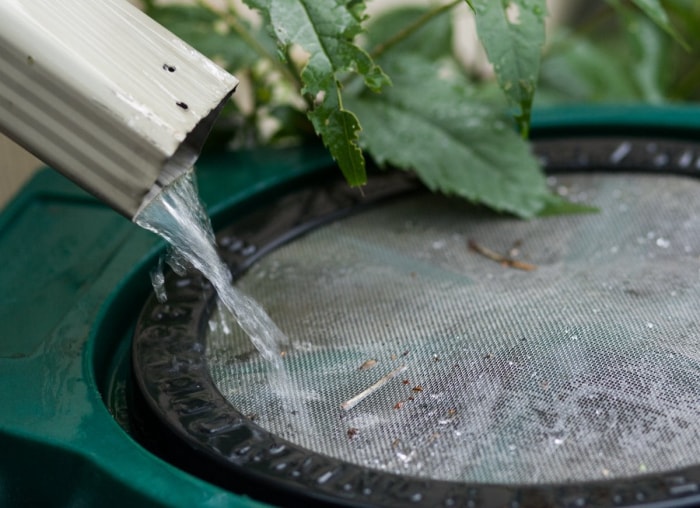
178 216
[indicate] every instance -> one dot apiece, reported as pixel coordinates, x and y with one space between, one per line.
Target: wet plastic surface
74 277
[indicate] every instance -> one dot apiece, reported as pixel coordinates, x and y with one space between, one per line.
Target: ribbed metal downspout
102 93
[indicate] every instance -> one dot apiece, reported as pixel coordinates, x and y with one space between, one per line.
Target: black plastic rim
199 431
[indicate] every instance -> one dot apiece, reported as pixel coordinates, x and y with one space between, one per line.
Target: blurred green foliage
394 87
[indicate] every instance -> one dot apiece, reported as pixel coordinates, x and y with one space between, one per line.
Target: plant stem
412 28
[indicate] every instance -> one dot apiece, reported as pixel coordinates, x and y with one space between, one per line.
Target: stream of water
179 217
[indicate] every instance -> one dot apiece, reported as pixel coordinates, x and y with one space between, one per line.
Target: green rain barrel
552 362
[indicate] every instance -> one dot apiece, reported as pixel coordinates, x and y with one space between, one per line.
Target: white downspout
102 93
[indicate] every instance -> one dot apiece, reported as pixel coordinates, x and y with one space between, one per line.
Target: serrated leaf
340 130
440 129
326 31
512 32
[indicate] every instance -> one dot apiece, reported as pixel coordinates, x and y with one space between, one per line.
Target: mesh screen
585 367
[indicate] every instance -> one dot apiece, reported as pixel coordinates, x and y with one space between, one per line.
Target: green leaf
432 40
340 130
657 14
204 30
555 205
438 127
326 31
650 65
629 65
512 32
649 56
577 70
684 67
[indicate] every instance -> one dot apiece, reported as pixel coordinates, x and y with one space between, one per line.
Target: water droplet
249 250
403 457
663 243
234 245
685 159
473 123
183 283
324 477
158 282
513 13
661 160
621 152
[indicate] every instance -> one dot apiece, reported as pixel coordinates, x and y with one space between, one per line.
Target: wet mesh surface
587 367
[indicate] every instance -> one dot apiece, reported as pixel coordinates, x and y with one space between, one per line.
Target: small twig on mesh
351 403
500 258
